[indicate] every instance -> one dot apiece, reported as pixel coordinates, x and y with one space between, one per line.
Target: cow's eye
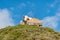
27 18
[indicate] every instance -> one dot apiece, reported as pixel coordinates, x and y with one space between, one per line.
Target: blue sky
12 11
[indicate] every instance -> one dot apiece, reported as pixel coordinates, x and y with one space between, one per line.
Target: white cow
32 21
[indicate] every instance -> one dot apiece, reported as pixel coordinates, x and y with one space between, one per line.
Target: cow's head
26 18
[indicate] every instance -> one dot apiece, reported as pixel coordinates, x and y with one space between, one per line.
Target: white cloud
5 19
51 21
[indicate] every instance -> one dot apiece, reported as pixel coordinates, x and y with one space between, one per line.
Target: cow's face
26 18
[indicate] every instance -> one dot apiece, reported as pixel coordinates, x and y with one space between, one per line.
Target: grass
28 32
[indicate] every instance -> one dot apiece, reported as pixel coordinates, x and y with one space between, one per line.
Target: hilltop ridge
28 32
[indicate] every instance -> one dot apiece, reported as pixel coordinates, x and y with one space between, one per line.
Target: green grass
28 32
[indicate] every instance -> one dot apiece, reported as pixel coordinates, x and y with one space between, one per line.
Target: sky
12 12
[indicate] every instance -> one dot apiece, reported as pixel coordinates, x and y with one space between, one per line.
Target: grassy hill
28 32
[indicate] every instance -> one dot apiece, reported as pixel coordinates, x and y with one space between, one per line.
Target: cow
32 21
